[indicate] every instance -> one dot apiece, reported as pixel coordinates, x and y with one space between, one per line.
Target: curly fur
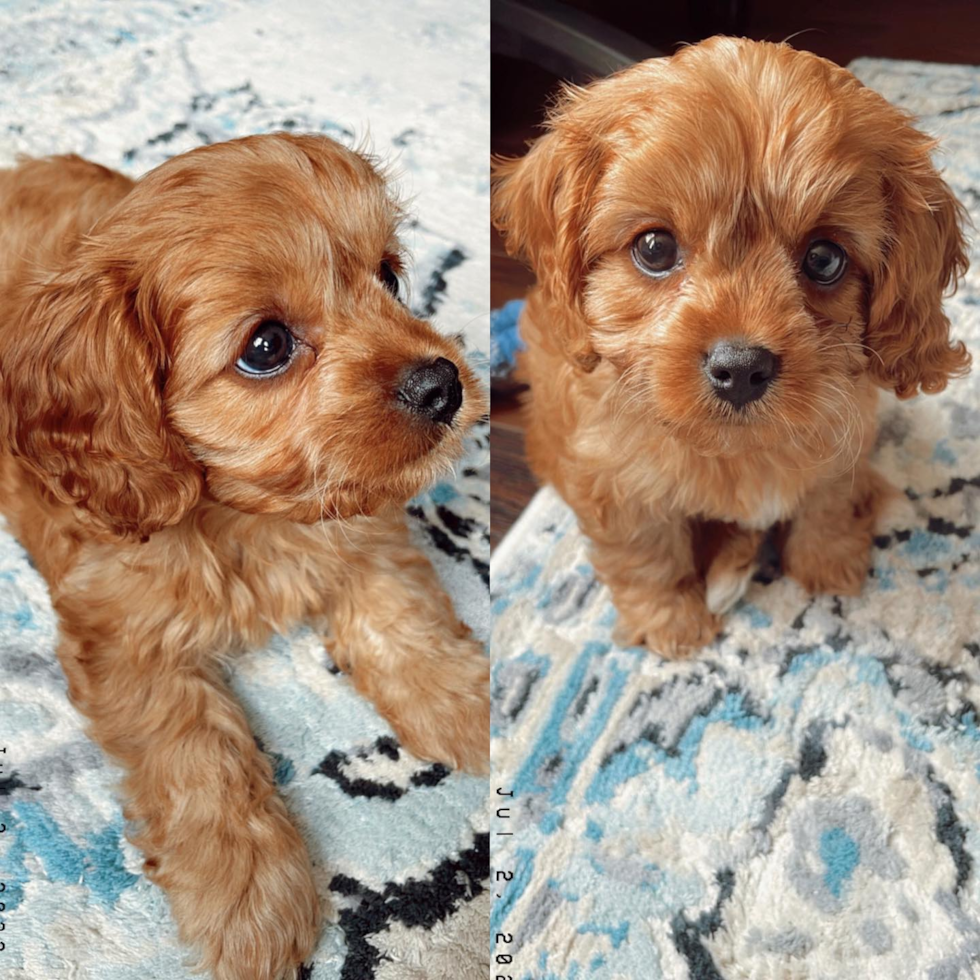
181 512
745 151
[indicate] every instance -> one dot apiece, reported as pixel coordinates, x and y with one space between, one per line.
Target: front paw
443 714
825 568
252 913
673 623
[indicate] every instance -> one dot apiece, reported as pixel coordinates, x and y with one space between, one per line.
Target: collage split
489 490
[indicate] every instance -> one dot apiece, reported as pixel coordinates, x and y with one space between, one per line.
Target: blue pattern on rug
802 799
399 847
505 338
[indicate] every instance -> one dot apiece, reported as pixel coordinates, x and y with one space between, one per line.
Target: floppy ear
540 203
82 404
924 256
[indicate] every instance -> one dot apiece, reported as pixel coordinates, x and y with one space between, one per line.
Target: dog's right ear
81 401
540 203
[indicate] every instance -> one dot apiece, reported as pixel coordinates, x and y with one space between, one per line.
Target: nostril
765 367
433 399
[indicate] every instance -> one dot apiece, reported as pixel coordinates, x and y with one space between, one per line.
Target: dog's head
233 327
742 231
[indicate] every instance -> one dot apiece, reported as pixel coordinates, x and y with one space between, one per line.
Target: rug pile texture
399 847
802 800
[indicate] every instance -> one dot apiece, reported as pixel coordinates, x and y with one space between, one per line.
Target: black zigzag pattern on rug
335 766
416 904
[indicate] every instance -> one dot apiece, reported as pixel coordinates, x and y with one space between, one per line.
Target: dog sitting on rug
735 248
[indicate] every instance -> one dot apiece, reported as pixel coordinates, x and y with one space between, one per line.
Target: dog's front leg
393 629
827 546
649 566
215 835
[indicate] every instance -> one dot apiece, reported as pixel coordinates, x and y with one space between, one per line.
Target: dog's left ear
924 256
81 402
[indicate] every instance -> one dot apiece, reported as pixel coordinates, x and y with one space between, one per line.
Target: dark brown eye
389 277
268 349
655 252
824 262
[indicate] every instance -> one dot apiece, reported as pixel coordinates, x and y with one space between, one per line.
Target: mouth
712 428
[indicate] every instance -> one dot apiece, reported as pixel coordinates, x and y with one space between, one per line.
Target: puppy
735 248
213 409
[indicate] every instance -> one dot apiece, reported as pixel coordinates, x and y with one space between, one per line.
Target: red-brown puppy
735 248
213 407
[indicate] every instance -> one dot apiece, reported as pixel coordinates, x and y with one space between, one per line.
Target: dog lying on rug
213 409
735 248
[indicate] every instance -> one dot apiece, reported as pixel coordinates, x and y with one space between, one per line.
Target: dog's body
735 248
647 499
182 510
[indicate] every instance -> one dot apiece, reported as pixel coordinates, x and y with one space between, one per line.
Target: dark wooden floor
840 30
519 91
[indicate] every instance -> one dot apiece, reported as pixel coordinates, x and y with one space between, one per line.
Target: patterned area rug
803 799
400 847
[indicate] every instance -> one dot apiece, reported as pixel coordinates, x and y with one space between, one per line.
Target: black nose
740 374
433 390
